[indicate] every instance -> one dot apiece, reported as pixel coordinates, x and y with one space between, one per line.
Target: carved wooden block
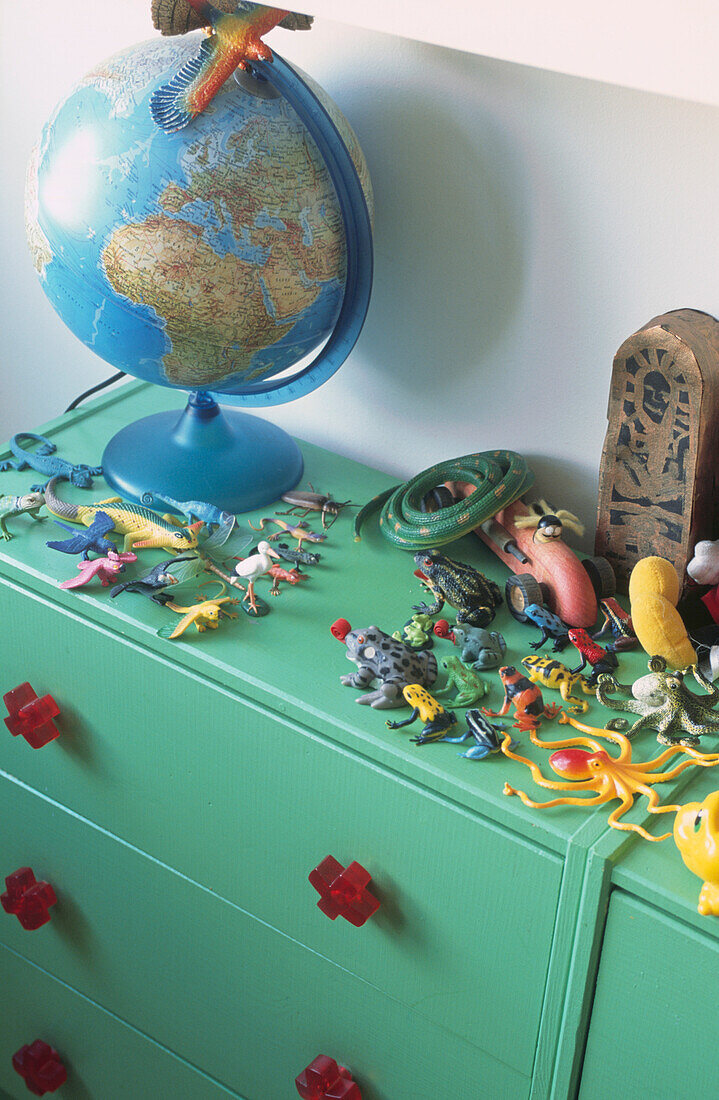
658 492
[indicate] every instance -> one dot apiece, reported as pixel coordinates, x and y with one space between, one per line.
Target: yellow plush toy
653 595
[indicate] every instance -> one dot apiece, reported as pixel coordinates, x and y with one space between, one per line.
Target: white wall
526 223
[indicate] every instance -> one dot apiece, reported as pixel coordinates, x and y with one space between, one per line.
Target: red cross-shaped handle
323 1079
28 899
343 891
40 1067
30 716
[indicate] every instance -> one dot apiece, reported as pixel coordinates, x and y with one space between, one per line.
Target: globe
214 259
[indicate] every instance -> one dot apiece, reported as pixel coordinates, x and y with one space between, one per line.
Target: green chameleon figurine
28 504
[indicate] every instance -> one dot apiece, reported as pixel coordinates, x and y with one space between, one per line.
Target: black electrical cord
100 386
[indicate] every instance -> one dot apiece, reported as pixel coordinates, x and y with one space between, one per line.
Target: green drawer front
105 1059
226 992
653 1030
247 804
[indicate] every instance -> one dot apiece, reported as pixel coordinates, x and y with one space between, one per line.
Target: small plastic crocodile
45 461
140 526
28 504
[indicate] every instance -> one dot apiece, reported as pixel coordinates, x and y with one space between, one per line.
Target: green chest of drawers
194 786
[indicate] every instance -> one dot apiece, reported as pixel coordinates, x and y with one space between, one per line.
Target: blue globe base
228 458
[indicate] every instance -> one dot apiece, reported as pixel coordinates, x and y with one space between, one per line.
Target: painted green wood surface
105 1058
654 1029
289 661
234 997
238 757
426 947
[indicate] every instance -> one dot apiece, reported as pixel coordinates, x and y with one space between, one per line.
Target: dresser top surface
288 661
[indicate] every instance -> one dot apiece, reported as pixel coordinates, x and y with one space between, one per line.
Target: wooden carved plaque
657 489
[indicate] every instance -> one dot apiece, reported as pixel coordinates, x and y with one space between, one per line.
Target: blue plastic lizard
45 461
191 509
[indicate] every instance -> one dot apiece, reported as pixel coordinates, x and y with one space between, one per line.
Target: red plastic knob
30 716
323 1079
40 1067
343 891
28 899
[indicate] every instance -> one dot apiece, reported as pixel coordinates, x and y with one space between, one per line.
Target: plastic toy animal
696 835
382 658
154 583
82 542
666 704
235 40
474 596
609 777
27 504
313 502
526 698
484 649
547 524
416 632
601 660
299 531
290 576
205 615
193 510
435 719
45 461
299 557
550 625
487 737
139 525
467 683
555 675
250 569
617 622
104 569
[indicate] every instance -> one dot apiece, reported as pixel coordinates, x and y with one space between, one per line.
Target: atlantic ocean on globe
214 259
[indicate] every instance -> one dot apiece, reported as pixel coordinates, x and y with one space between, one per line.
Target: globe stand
228 458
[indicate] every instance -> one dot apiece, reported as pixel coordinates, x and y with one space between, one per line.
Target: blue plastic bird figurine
235 39
83 542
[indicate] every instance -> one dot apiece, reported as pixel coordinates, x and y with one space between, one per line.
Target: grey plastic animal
45 461
481 648
388 661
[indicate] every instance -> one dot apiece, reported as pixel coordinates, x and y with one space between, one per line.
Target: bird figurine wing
100 525
235 39
175 17
74 545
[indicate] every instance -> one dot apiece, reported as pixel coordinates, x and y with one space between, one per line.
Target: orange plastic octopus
609 776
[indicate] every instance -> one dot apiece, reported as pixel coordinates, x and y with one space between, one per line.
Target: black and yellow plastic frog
436 721
474 596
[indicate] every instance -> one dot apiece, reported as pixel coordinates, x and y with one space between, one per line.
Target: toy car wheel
521 590
602 577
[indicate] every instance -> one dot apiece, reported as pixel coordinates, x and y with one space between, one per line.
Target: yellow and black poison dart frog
435 719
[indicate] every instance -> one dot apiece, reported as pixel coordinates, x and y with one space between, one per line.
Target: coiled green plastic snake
499 478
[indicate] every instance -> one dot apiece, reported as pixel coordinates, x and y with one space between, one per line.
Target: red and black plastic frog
529 706
601 660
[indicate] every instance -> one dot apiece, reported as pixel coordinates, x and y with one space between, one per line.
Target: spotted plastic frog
475 597
382 658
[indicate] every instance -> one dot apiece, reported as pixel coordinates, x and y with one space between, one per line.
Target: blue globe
209 259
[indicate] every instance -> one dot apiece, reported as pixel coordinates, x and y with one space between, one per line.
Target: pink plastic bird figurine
104 568
235 39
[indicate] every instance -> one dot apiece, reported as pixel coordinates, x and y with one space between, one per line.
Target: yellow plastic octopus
608 776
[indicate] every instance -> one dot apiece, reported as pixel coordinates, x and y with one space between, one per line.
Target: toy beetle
302 503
